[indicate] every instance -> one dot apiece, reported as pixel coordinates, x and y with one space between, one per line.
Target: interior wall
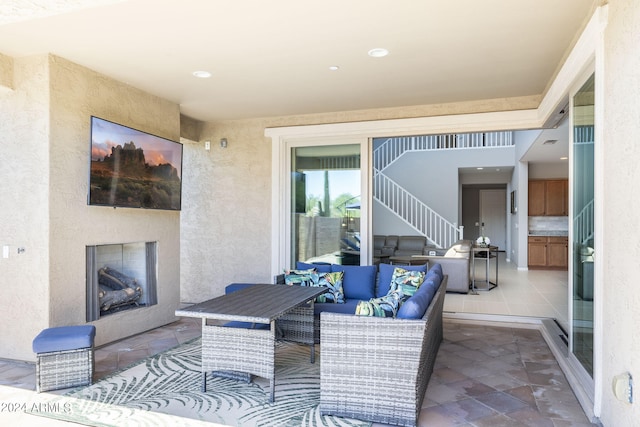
552 170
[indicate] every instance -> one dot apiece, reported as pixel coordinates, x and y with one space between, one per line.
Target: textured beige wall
24 202
47 156
621 236
6 72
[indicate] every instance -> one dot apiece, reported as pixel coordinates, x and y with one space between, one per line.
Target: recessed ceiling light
202 74
378 52
479 169
334 68
564 158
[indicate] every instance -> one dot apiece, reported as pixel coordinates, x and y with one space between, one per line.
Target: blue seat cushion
64 338
386 273
359 281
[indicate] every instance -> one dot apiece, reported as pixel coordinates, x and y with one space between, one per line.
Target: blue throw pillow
321 268
359 281
386 272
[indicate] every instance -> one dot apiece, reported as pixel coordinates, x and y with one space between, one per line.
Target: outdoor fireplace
120 277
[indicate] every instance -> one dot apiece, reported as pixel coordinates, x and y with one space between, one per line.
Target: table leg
204 373
272 380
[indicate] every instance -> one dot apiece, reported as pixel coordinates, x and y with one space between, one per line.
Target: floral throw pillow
300 277
333 281
386 306
405 282
311 277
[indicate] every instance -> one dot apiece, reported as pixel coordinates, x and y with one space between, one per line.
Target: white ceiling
272 58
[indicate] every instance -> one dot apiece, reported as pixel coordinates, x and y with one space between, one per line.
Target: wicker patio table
247 349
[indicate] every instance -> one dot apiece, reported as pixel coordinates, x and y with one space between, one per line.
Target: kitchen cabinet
537 252
550 252
549 197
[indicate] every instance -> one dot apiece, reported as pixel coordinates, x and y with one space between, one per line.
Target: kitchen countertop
552 233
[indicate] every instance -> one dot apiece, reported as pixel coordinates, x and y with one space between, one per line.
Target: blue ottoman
65 357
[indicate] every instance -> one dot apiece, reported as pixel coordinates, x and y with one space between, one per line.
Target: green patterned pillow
386 306
333 281
405 282
300 277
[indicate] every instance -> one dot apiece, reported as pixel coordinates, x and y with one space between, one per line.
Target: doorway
485 204
493 216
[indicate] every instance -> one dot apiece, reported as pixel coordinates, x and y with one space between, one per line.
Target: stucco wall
621 234
24 198
47 155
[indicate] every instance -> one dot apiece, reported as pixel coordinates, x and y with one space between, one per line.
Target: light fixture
479 169
334 68
564 158
223 143
378 52
202 74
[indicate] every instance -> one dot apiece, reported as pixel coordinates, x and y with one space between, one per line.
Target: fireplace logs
116 289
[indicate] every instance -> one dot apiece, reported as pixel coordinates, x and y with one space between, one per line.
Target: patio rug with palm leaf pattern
169 383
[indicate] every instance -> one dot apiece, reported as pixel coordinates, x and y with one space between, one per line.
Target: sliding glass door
325 204
583 225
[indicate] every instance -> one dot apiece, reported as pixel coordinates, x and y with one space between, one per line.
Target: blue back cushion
233 287
359 281
321 268
386 272
416 306
436 269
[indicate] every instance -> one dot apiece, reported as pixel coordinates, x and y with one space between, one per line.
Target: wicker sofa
377 369
360 283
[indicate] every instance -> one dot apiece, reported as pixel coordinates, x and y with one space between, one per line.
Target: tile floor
484 375
535 293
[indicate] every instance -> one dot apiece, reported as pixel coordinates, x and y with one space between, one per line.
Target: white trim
599 189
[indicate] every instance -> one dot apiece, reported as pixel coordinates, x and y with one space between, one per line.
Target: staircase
438 231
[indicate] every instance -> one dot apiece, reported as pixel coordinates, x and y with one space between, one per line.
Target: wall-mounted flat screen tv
133 169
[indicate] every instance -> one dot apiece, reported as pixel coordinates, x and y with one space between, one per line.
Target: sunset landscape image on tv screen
131 168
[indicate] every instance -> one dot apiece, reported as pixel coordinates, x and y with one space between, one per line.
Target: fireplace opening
120 277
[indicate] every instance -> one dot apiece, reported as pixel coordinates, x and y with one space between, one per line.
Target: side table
488 253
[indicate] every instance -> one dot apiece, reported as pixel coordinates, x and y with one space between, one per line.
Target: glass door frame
591 383
281 201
